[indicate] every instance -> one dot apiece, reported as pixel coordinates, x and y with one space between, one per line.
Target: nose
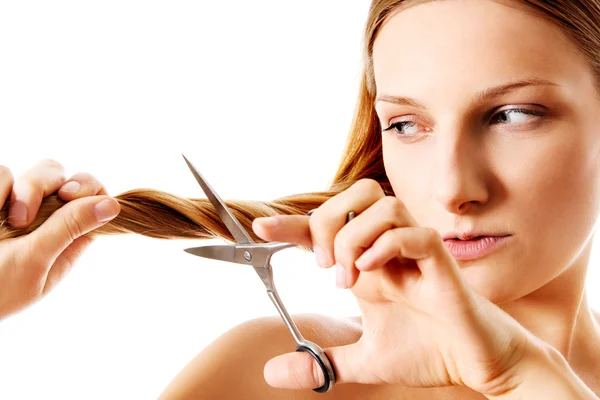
459 181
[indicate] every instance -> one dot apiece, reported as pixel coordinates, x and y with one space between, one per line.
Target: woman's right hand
32 264
422 324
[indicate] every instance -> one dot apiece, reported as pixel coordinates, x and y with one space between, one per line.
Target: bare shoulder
232 366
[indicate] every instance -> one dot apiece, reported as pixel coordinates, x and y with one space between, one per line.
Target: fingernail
71 187
18 213
340 277
321 257
106 209
268 222
365 259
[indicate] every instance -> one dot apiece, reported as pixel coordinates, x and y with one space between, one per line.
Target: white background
259 95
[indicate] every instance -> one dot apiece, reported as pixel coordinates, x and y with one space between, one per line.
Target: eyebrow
480 97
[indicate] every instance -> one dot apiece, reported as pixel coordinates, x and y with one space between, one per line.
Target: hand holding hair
46 222
32 264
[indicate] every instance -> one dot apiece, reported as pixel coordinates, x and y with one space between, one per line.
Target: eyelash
397 126
531 113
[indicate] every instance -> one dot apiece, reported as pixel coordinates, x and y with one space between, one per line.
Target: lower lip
475 248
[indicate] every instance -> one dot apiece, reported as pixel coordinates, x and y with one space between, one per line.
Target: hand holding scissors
258 255
423 326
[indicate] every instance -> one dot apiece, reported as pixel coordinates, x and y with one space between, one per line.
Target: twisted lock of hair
162 215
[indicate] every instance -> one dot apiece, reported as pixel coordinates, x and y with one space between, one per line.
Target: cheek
553 195
407 177
559 181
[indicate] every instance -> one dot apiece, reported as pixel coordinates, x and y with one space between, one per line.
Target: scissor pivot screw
247 256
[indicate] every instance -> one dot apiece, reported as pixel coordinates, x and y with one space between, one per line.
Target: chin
493 281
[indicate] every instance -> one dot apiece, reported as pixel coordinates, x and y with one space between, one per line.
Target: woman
485 130
473 168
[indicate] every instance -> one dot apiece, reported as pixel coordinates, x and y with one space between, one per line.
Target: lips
471 246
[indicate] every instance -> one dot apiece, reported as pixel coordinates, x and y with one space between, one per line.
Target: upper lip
468 235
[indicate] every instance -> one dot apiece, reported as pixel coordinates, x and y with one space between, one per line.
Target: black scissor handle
324 363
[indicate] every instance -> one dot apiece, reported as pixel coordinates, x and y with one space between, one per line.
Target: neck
559 314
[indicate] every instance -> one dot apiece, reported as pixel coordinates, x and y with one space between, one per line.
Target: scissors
247 252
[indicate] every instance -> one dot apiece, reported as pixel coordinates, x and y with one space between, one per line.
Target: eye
514 116
405 128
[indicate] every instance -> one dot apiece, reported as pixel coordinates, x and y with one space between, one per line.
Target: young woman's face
495 128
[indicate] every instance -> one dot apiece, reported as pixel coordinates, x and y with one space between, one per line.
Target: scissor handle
324 363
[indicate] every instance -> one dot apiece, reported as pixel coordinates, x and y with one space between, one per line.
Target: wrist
545 374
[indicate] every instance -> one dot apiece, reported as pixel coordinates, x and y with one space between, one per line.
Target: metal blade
237 230
252 256
216 252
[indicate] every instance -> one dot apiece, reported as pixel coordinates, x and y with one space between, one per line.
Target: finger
331 216
293 371
65 261
425 246
73 220
283 228
81 185
6 183
29 190
354 238
299 370
386 247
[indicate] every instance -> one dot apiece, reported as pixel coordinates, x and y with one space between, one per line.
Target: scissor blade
222 252
216 252
237 230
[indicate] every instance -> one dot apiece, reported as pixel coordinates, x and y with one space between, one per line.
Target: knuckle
319 224
50 163
321 235
343 248
89 183
84 178
431 237
44 174
315 222
368 185
24 186
49 170
389 239
341 242
72 226
394 207
6 174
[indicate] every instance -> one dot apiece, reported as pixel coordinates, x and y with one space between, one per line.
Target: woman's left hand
423 326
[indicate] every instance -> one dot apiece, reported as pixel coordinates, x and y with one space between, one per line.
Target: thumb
73 220
299 370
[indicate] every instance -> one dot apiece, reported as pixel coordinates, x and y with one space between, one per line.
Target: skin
31 265
465 173
462 169
497 176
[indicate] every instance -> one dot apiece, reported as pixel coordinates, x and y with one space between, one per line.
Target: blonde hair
162 215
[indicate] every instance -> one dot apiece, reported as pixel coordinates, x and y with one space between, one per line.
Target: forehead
448 44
